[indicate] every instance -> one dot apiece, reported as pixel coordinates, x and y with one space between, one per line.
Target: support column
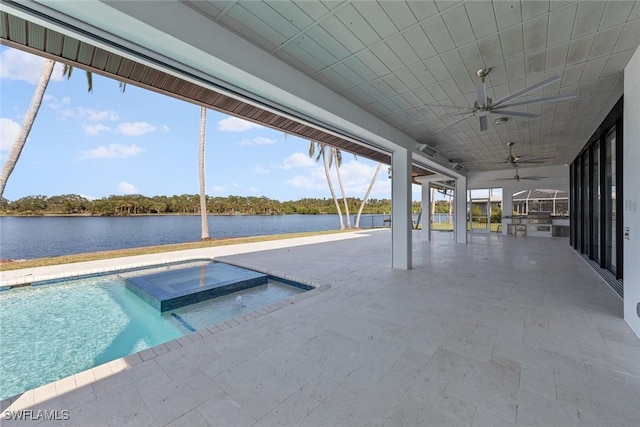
426 210
401 209
461 210
507 208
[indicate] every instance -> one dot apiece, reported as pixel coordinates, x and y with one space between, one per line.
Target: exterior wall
631 191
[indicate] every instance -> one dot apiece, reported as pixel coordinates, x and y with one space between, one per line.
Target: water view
36 237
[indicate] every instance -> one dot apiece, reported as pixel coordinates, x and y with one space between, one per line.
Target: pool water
49 332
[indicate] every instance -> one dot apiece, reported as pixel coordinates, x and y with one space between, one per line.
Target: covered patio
501 331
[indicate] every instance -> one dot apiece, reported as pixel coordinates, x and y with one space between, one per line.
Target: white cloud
217 188
253 190
135 128
164 128
61 106
297 160
19 65
95 129
356 177
259 140
234 124
8 132
111 152
260 169
126 188
97 115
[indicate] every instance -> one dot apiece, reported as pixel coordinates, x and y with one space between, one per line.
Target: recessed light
500 121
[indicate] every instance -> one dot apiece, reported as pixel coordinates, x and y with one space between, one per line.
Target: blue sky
107 142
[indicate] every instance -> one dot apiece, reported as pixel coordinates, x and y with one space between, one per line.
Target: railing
375 221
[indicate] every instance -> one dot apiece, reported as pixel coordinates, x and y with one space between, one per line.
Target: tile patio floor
503 331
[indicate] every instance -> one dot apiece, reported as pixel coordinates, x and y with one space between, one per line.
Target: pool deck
502 331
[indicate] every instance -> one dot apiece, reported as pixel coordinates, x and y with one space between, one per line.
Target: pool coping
81 379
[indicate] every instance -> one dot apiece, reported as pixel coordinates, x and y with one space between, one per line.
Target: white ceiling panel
579 50
482 17
400 14
417 39
561 24
437 68
387 56
616 12
535 63
359 26
508 13
373 63
314 9
453 61
409 79
512 42
557 57
272 18
292 13
630 33
421 9
472 57
588 17
491 50
458 25
339 31
328 42
535 34
376 16
360 69
438 33
534 8
615 63
403 50
605 42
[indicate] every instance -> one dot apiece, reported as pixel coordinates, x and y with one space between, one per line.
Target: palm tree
67 70
27 124
321 149
203 196
337 156
366 196
32 112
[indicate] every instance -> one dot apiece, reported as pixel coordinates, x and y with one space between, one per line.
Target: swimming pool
55 330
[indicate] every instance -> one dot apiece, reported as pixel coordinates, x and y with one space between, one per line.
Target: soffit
396 59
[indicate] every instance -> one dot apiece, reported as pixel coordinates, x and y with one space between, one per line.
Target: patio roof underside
28 36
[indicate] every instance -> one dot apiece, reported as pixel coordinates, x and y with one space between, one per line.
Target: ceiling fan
485 105
518 178
517 160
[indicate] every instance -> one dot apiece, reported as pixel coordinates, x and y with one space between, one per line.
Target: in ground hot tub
172 289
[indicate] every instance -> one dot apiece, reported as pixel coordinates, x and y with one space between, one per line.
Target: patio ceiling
396 60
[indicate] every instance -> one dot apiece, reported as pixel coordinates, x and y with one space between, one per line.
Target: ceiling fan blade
458 107
540 100
455 122
527 162
483 123
516 114
528 89
481 90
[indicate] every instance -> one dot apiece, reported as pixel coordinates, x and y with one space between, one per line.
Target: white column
460 226
507 207
401 209
426 209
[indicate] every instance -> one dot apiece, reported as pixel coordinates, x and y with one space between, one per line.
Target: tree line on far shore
185 204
